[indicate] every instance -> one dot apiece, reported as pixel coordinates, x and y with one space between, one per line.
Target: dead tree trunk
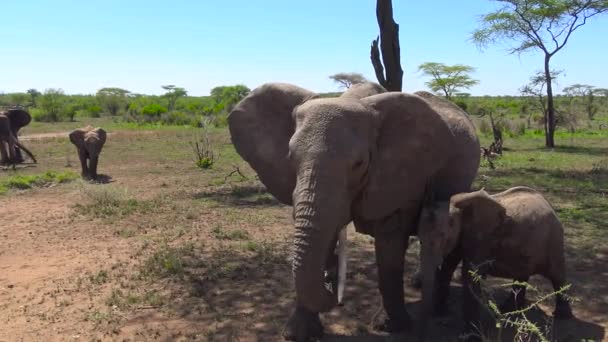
389 45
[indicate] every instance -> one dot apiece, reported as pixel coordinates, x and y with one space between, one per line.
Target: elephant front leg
444 278
303 325
470 305
93 167
391 245
83 164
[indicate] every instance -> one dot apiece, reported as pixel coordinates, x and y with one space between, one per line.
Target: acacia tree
33 94
173 93
536 90
544 25
448 79
347 79
585 95
388 42
112 99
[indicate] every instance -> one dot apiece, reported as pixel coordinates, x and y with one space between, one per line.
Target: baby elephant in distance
513 234
89 142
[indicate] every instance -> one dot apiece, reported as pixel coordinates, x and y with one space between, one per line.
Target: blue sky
81 46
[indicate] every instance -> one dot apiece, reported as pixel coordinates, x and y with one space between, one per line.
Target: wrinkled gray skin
89 141
9 144
513 234
355 158
18 118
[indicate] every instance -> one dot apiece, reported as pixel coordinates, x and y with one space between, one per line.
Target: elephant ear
410 142
361 90
261 126
480 213
101 134
18 118
77 137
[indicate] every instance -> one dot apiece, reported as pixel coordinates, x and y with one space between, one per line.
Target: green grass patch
221 234
167 262
126 299
23 182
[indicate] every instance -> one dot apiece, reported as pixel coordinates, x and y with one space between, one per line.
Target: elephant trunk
317 222
29 153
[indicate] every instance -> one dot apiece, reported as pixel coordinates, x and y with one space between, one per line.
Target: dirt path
43 251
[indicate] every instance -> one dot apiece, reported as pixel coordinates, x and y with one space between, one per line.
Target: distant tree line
174 107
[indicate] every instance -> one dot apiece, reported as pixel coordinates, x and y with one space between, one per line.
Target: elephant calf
513 234
89 141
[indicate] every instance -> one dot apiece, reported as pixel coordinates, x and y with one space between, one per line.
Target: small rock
11 286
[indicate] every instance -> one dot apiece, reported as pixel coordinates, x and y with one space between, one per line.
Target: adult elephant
9 144
355 158
18 118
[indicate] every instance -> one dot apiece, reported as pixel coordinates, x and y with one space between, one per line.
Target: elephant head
467 217
9 140
89 141
18 118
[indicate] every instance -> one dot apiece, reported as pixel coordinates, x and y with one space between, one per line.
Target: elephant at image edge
352 158
513 234
9 144
89 141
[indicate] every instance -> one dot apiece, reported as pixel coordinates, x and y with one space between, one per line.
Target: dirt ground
191 256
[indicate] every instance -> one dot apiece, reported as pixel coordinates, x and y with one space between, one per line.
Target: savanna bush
484 127
178 118
153 110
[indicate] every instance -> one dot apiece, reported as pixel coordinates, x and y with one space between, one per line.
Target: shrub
461 103
153 110
520 128
177 118
484 127
39 115
204 151
220 120
94 111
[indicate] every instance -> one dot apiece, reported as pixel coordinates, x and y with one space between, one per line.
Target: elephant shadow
19 166
102 179
252 194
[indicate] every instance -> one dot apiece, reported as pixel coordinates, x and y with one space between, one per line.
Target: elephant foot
303 325
563 311
394 325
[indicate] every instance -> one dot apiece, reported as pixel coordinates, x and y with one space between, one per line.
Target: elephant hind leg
3 153
562 305
557 276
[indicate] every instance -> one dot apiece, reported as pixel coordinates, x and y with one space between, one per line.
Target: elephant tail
25 149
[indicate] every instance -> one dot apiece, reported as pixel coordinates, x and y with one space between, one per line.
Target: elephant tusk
341 263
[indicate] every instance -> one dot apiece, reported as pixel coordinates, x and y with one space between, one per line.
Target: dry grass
166 250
